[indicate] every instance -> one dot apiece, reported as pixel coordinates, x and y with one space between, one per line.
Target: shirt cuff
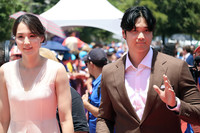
177 107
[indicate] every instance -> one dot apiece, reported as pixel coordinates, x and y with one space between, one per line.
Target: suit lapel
119 75
158 68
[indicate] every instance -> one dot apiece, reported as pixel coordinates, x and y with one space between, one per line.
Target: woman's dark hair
131 14
33 24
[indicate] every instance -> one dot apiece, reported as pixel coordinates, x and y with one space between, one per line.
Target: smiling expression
27 42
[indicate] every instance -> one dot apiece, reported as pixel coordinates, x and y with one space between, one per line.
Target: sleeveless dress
32 111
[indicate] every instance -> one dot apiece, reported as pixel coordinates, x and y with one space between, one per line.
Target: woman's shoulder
54 64
9 64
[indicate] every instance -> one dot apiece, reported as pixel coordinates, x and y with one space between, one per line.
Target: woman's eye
32 35
19 36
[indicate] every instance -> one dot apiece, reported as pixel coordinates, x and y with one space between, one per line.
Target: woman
33 86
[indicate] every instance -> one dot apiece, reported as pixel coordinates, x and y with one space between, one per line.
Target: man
146 91
95 60
188 57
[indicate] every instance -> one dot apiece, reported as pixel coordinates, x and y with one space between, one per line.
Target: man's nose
26 40
140 36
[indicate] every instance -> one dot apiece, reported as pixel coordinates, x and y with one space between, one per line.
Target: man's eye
134 31
146 30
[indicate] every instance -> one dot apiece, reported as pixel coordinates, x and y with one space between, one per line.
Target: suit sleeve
190 97
105 121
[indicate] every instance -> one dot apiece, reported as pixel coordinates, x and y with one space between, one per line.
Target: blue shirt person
95 60
95 99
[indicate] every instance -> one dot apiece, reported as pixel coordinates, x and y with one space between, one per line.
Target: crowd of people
114 88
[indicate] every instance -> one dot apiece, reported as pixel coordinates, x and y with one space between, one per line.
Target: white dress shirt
137 82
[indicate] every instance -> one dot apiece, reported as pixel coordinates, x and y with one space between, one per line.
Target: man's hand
168 95
85 97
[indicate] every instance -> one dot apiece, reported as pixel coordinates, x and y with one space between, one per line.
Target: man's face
90 67
15 57
139 39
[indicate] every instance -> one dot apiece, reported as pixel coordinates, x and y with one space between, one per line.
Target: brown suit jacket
116 109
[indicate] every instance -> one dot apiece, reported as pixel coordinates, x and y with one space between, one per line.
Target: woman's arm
4 105
64 101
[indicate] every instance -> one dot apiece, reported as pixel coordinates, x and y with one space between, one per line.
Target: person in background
111 55
73 42
78 112
169 49
33 87
196 55
187 56
2 56
196 67
95 60
119 54
145 90
15 53
79 75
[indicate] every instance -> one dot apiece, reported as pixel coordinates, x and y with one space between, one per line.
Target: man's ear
92 64
124 34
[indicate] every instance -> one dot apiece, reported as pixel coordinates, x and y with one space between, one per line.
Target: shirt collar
145 62
187 55
97 80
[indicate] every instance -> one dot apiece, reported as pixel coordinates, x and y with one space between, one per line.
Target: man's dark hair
131 14
187 48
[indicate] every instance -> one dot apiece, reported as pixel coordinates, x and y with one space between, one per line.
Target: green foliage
40 6
173 16
8 7
90 34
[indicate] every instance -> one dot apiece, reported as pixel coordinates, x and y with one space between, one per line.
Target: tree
173 16
8 7
182 17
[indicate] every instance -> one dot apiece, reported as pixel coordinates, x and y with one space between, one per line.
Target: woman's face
27 42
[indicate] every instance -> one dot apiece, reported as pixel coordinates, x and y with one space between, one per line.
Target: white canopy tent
92 13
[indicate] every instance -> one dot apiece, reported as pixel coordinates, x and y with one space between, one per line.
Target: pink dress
32 111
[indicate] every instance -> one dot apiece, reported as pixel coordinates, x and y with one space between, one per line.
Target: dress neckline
34 81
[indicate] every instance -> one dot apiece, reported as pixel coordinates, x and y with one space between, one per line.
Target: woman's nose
26 40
